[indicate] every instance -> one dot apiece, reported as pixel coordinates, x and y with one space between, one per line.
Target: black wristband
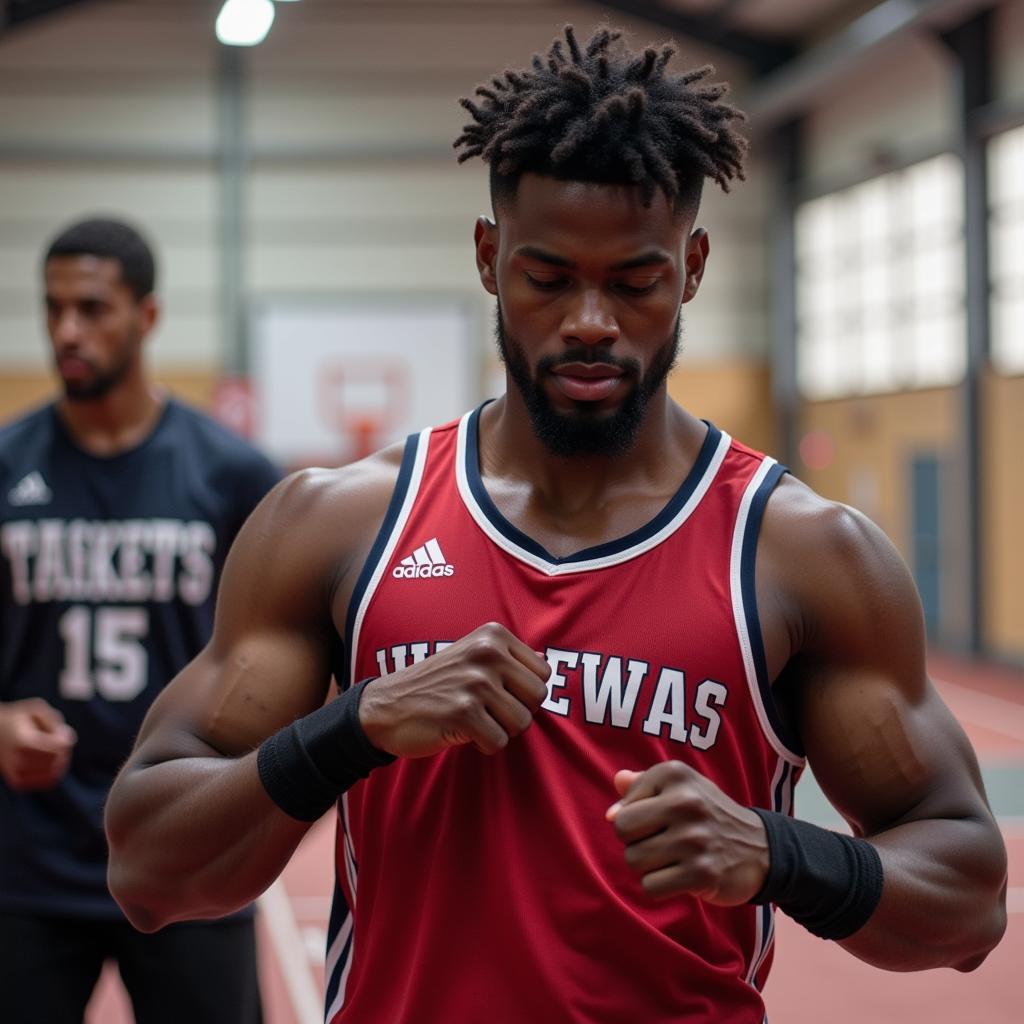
829 883
307 765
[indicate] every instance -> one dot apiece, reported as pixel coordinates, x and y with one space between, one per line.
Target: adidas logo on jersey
426 561
30 490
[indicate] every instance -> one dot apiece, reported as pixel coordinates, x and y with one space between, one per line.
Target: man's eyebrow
650 257
543 256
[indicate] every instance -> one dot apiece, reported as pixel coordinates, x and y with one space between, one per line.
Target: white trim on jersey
345 939
415 478
348 851
764 938
739 611
332 964
589 564
757 954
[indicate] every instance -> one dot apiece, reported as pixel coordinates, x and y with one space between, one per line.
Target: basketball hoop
362 400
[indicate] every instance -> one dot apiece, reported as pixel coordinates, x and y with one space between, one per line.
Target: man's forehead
84 270
555 211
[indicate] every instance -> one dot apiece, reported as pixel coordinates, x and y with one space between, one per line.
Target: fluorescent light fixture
244 22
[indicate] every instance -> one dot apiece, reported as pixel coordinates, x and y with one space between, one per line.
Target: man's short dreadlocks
608 115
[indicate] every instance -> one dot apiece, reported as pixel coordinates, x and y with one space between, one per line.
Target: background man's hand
682 834
484 689
35 744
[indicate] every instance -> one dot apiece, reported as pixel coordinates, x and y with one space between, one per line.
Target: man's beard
588 431
102 382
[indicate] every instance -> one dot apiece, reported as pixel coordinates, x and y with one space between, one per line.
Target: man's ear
149 313
486 237
697 248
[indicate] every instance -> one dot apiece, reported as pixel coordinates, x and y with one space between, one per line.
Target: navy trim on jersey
340 913
749 592
768 931
780 789
377 551
613 547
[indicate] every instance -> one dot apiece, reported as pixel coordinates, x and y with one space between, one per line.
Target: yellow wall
21 392
735 396
873 439
1003 514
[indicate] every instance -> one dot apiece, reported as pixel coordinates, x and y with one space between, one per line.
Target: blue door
925 535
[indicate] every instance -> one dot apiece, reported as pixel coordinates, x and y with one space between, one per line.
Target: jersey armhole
410 474
782 737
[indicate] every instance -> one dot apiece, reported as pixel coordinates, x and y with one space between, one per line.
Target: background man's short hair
605 114
114 240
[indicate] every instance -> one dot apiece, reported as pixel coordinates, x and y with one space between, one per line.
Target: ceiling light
244 22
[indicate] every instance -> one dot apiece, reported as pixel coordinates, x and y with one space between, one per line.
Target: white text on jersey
609 690
131 560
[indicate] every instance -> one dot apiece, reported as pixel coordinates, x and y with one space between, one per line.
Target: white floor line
996 713
303 990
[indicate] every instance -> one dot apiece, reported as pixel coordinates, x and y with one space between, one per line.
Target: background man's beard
588 431
102 383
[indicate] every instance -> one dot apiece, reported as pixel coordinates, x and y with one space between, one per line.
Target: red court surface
812 980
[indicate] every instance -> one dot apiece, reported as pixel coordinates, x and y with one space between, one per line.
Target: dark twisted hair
607 115
113 240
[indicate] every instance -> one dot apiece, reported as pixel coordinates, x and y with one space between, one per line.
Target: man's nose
66 327
590 320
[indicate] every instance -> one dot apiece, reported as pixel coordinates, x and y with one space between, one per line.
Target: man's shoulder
358 487
203 430
329 516
797 516
23 439
831 563
14 432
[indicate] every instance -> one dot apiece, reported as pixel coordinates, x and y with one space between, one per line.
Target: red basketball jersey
492 889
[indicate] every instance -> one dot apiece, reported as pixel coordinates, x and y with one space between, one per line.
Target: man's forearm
943 901
194 837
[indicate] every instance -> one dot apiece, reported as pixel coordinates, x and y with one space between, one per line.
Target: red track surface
812 981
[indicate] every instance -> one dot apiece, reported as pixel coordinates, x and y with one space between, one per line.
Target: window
880 292
1006 233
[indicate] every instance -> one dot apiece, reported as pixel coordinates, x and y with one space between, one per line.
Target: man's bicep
879 738
883 756
227 703
268 661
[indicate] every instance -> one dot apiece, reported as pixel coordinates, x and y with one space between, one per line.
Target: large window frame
1006 250
880 284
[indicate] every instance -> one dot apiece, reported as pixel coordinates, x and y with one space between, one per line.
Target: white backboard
333 381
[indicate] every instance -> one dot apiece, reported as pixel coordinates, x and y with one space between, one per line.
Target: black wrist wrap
307 765
829 883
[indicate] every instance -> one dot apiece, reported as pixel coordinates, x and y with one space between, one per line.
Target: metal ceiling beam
762 53
971 44
789 91
19 12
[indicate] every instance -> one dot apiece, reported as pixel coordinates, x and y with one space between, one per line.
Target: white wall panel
183 116
379 192
52 193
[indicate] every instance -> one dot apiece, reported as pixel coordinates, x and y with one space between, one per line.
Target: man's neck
668 441
116 422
